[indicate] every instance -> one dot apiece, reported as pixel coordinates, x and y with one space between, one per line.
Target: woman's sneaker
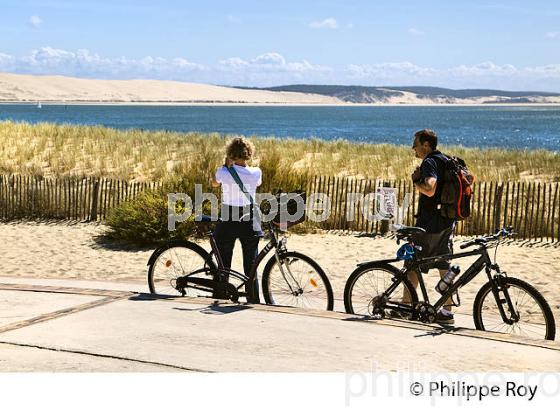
445 317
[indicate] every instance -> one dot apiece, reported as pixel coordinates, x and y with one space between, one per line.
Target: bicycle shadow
442 330
215 308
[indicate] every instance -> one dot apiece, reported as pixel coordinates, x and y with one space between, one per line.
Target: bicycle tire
299 301
205 260
550 325
361 270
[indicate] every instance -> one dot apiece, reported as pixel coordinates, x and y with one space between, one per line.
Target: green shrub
143 221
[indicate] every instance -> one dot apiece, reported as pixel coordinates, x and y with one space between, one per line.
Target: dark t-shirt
429 216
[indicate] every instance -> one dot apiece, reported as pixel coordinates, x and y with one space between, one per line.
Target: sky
511 45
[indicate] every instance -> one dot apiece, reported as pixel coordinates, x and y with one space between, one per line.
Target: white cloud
329 23
552 34
272 68
35 21
415 32
482 75
84 63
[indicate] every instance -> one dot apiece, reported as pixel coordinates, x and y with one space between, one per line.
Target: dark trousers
226 233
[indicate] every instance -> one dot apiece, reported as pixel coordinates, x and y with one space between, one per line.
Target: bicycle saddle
408 230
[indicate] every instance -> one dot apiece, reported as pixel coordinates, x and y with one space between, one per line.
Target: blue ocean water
524 127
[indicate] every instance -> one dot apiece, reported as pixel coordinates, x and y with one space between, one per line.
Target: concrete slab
242 338
17 306
32 359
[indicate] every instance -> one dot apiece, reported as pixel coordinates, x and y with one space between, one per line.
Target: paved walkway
69 325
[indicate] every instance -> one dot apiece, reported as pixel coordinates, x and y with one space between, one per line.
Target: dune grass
62 150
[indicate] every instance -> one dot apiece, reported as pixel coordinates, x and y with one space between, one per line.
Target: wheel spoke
531 316
300 285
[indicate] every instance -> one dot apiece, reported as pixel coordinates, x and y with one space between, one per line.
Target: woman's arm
214 183
214 179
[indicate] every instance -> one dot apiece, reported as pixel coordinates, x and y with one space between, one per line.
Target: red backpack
456 192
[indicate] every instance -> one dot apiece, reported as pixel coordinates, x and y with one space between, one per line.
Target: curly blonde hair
240 148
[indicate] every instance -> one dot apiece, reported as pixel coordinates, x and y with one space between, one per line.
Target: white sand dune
31 88
68 90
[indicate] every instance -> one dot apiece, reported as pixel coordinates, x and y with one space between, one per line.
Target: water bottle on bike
447 279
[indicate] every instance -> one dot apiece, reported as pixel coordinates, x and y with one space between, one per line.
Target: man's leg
448 304
413 278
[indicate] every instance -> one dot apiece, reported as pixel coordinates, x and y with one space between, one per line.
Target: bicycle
376 288
289 278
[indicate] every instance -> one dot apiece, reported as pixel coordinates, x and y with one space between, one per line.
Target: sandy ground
59 250
18 87
60 89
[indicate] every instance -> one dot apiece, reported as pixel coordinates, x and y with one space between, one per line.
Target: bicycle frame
483 262
273 243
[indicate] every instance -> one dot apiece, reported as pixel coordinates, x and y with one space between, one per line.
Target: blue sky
456 44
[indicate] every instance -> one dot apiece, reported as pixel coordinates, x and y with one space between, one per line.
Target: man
437 240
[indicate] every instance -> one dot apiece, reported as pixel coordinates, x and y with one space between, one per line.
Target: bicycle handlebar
500 233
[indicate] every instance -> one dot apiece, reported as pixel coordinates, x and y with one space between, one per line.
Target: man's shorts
434 244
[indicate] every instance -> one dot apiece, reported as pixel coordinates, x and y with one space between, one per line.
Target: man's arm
427 187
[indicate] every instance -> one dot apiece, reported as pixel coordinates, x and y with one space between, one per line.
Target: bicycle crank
426 313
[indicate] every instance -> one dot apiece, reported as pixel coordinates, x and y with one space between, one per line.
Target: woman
236 212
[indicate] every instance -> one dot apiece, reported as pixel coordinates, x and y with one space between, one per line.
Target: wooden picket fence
84 199
532 208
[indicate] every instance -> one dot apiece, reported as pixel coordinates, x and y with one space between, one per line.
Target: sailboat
39 105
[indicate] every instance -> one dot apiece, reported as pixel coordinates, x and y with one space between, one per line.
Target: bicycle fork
500 288
286 265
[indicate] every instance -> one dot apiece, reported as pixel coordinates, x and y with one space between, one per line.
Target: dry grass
60 150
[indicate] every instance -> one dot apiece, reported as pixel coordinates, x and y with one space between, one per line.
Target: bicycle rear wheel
297 281
365 288
535 318
179 259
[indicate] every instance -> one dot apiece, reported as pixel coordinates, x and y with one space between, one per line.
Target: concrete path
68 325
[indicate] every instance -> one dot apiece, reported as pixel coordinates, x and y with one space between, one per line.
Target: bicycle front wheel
531 316
175 260
296 281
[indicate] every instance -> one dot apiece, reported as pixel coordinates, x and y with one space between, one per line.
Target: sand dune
59 89
31 88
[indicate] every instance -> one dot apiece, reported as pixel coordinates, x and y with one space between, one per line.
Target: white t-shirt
231 193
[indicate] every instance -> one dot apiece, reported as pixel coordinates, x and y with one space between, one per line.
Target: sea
512 127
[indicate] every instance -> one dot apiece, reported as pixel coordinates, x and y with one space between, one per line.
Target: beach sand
18 88
62 250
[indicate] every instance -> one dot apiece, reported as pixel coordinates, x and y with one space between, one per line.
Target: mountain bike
289 278
504 304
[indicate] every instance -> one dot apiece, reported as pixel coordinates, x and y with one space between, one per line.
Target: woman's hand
229 162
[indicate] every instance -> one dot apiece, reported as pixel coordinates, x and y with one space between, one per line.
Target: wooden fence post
498 205
384 228
94 196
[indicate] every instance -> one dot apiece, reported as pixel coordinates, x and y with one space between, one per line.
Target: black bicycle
289 278
504 304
